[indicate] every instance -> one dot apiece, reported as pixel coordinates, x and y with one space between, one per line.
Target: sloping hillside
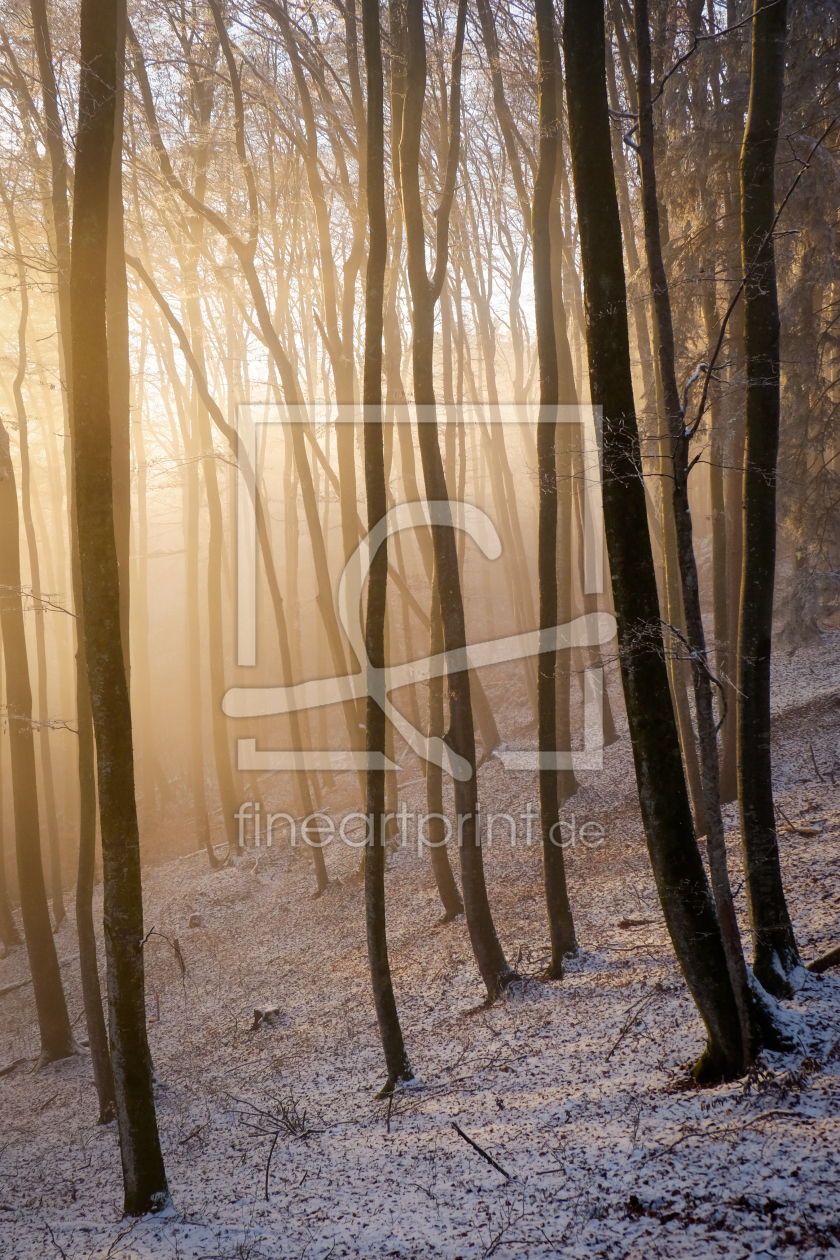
575 1089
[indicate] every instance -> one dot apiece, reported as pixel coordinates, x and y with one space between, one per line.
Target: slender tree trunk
436 824
567 784
494 967
774 944
677 865
680 467
88 962
560 921
191 547
119 367
100 1050
733 491
143 1171
47 779
215 630
717 464
673 609
9 935
53 1022
396 1057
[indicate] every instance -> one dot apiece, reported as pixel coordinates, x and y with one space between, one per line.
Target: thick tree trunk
396 1058
53 1022
774 944
677 865
561 924
143 1171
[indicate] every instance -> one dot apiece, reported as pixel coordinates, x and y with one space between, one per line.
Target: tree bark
666 813
396 1058
495 970
142 1162
26 494
436 826
9 935
680 469
774 943
88 962
560 921
53 1022
119 367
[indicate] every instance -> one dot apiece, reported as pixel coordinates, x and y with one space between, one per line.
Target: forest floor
576 1088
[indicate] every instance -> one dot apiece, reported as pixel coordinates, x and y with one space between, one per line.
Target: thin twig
268 1161
481 1151
174 945
700 657
58 1248
702 39
814 760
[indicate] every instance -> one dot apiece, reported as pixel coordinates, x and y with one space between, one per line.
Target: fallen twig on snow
799 831
481 1151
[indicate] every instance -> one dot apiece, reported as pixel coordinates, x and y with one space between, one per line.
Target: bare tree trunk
436 826
88 962
143 1171
677 865
191 547
47 779
53 1022
560 921
396 1057
774 944
119 368
717 465
680 468
9 935
733 491
495 970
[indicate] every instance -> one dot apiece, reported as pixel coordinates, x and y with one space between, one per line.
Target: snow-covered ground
576 1089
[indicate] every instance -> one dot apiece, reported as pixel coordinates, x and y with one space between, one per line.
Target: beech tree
776 952
396 1058
53 1020
675 858
494 967
142 1162
469 240
560 920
